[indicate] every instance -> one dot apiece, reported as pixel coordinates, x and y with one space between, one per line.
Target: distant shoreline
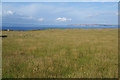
63 29
57 27
94 25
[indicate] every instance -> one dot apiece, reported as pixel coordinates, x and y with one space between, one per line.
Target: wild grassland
57 53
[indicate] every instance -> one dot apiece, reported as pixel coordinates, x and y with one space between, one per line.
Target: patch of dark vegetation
3 36
7 30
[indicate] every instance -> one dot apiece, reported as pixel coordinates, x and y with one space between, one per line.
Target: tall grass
61 53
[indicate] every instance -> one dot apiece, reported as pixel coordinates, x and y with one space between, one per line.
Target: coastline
30 29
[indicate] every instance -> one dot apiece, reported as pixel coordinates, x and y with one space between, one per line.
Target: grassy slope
61 53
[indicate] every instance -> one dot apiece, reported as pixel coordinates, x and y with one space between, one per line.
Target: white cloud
117 13
28 17
90 16
63 19
40 19
9 12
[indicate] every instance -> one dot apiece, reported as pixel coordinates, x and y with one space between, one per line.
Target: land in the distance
50 25
91 25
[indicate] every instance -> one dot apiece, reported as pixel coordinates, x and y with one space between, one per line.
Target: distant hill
90 25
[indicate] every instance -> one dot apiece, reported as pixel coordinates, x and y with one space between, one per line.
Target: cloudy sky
60 13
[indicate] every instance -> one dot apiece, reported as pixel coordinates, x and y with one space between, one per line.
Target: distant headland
90 25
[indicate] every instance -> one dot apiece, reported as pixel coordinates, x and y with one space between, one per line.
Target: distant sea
58 27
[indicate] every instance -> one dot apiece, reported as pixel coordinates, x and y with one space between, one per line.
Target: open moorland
60 53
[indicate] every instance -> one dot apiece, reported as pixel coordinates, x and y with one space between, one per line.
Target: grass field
60 53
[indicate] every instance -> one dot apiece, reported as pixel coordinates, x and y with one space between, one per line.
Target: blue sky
60 13
60 0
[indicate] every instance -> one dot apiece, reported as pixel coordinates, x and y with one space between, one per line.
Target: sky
60 0
60 13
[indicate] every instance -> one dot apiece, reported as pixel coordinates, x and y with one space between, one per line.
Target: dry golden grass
61 53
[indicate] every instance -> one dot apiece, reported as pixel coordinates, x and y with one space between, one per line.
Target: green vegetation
61 53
